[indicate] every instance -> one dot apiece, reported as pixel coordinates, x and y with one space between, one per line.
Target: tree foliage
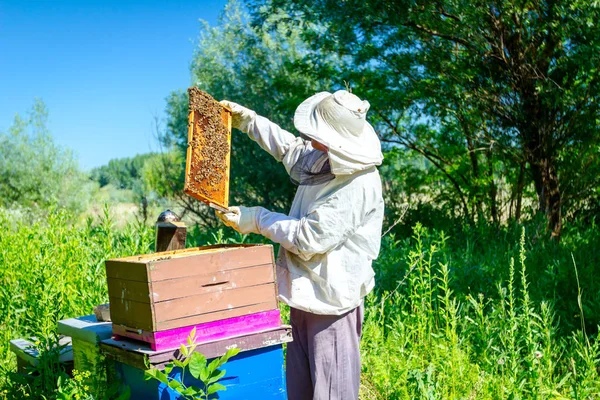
496 95
37 174
121 172
262 68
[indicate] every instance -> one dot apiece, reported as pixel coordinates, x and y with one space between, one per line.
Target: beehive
168 290
208 153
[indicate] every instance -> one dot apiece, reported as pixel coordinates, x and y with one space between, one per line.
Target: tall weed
422 340
51 270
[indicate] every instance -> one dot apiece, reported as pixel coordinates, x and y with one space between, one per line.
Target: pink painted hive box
192 287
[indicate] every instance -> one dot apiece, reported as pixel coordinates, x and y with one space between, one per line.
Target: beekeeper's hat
339 122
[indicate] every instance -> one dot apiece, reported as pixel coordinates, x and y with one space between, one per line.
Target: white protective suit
333 230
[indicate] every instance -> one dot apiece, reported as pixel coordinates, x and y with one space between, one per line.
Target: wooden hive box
174 289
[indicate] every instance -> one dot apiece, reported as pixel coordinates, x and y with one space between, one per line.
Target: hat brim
365 149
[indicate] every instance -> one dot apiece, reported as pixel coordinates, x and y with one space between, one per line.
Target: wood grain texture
200 263
132 313
213 282
186 287
129 290
188 262
133 271
143 258
211 302
189 286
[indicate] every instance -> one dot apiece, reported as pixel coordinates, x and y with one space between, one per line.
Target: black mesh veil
312 168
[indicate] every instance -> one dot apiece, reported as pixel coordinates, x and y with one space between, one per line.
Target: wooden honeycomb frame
215 194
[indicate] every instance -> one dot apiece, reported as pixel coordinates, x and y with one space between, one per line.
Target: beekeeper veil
338 121
312 168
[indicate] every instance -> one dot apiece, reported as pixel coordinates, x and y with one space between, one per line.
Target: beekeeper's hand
242 219
242 116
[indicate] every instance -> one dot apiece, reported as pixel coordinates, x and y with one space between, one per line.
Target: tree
121 172
262 69
126 174
513 84
35 173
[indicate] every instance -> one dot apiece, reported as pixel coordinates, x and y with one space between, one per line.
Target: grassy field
475 314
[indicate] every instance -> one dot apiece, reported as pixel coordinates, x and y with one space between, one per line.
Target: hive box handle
215 284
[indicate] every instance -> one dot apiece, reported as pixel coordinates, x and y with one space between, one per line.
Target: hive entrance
209 141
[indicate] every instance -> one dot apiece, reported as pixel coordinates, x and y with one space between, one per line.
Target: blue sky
103 68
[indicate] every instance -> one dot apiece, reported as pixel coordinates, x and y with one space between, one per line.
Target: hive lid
209 148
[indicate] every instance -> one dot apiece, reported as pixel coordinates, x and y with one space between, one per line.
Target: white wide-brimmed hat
339 122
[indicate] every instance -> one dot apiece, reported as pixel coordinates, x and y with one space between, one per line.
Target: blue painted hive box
257 372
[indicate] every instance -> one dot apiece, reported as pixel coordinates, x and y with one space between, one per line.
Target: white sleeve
322 229
281 144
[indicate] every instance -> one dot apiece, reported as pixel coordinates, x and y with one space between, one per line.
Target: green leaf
150 374
214 364
193 391
174 384
215 388
183 350
168 368
125 395
225 357
216 375
157 374
191 339
178 364
197 363
204 374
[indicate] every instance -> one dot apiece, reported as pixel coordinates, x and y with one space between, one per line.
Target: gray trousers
323 361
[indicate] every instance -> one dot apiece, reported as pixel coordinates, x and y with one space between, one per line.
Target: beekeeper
328 240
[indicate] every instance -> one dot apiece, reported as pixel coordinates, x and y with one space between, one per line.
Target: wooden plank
205 332
131 313
129 290
133 353
139 315
144 258
135 268
190 149
215 316
126 270
207 283
211 302
227 116
205 263
188 286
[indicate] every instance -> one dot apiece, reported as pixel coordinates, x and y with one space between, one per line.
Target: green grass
51 270
478 313
424 340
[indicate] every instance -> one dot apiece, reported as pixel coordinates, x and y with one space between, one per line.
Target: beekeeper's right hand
242 219
242 116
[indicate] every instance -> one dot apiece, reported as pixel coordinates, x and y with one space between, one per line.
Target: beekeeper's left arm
322 229
281 144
